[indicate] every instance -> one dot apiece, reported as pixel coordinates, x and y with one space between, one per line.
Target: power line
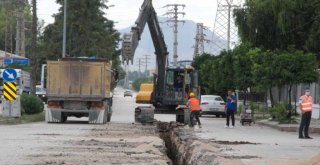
199 40
146 62
173 13
140 64
224 27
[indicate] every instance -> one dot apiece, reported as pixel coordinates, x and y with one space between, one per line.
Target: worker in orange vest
194 105
305 105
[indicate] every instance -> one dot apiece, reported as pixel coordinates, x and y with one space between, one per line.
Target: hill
186 35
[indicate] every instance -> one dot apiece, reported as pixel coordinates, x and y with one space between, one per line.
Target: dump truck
79 87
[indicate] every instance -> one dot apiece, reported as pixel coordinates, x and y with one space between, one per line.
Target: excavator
171 84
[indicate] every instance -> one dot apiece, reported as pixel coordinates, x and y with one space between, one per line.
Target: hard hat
191 94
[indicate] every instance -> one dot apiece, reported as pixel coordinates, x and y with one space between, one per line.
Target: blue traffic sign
9 75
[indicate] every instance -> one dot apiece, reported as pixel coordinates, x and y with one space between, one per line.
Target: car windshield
218 99
211 98
38 89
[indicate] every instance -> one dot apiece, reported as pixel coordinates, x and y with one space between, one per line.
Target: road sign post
11 102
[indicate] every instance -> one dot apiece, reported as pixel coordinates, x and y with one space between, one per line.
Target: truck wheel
109 117
63 118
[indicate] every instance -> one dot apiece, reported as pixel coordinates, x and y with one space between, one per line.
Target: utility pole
20 35
225 25
199 40
146 62
140 63
33 74
126 79
173 13
64 29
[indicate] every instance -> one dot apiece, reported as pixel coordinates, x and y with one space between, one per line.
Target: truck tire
64 118
109 117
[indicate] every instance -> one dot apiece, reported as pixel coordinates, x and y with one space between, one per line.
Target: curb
286 127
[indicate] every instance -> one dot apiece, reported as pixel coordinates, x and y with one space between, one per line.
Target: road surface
123 142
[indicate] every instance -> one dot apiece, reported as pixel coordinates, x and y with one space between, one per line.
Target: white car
212 105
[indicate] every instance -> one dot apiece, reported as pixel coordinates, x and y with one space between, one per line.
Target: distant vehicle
212 105
41 93
127 93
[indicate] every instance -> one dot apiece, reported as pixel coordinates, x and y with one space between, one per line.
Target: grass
32 118
23 119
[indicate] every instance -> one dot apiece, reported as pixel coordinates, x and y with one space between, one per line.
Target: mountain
186 41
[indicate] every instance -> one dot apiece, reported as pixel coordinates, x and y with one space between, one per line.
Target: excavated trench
183 148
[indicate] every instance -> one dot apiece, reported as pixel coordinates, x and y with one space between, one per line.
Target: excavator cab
180 81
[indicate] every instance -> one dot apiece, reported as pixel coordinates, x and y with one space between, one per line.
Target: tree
295 67
278 24
89 33
204 65
263 70
9 23
243 64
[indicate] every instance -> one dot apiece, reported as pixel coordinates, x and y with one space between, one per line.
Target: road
123 142
268 145
76 142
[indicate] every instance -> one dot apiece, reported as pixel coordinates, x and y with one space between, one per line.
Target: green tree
89 33
295 67
263 71
243 64
275 24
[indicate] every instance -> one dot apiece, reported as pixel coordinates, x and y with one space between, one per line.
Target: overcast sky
125 12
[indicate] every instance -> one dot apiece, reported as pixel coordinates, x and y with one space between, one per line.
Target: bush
31 104
280 113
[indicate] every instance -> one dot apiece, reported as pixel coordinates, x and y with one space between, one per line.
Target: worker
305 105
178 87
230 108
194 105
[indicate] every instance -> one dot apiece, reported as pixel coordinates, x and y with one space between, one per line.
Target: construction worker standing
194 105
305 105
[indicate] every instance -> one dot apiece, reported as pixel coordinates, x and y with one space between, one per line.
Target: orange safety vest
194 104
306 103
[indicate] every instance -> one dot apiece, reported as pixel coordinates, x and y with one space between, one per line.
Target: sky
125 12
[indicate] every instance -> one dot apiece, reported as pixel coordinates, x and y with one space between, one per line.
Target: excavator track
144 114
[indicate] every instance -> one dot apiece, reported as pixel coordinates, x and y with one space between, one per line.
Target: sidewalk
314 126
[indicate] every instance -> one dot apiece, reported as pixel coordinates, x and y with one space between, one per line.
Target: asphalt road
121 142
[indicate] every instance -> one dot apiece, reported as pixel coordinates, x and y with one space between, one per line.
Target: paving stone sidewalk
314 126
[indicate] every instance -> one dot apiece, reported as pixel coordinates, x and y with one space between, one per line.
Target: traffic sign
9 75
9 90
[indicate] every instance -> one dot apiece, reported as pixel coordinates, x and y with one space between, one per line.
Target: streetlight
64 29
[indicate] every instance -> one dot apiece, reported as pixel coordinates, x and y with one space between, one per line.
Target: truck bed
78 79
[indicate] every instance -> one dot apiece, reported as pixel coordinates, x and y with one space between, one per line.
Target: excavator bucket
127 48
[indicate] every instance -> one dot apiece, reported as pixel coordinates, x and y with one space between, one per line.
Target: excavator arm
131 40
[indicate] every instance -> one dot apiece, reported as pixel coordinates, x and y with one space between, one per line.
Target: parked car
212 105
41 93
127 93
